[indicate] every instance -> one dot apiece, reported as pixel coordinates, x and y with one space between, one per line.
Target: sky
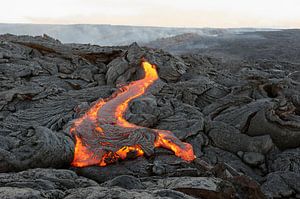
169 13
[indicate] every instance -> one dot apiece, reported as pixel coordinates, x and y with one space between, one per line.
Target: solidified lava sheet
103 136
237 105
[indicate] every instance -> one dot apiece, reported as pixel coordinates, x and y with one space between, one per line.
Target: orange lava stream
112 111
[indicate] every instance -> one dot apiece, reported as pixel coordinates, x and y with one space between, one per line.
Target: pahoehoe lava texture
242 120
103 135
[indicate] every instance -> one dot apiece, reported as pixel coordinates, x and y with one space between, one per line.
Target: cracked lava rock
103 135
241 117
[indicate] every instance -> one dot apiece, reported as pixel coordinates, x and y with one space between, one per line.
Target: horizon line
152 26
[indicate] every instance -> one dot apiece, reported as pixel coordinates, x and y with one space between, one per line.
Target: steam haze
169 13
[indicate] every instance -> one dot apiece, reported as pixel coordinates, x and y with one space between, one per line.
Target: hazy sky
183 13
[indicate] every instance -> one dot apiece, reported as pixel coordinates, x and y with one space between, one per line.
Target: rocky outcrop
35 147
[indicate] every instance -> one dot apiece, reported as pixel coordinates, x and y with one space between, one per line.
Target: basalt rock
280 122
229 138
34 147
253 158
242 119
287 160
198 187
282 184
126 68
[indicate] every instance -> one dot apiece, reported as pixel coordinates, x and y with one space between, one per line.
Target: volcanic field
85 121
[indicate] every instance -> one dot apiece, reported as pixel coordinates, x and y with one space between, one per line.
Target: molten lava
103 135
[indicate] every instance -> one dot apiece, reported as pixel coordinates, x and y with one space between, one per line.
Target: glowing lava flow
103 135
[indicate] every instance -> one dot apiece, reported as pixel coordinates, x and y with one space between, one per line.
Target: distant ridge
108 34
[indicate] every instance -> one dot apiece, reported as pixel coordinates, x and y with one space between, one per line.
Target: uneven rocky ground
274 45
243 121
